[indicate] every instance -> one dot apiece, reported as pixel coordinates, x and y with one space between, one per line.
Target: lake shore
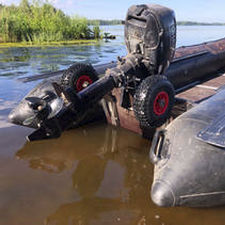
52 43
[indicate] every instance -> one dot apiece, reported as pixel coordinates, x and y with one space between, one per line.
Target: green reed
39 22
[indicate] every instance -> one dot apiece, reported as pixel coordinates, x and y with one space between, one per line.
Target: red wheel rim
82 82
161 103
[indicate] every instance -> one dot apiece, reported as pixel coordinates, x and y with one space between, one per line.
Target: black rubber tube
97 90
183 72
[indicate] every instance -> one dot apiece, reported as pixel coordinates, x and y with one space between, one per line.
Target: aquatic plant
39 22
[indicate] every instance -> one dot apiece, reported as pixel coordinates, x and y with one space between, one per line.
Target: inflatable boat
189 157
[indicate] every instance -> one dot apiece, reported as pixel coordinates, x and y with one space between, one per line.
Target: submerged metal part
56 106
24 111
135 65
188 171
19 114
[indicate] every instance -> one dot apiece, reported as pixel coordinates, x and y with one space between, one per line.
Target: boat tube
189 157
196 63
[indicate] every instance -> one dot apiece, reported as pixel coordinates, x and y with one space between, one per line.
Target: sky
191 10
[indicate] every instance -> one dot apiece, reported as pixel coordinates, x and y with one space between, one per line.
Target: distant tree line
179 23
39 21
105 22
191 23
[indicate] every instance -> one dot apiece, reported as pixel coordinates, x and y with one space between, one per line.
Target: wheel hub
161 103
83 82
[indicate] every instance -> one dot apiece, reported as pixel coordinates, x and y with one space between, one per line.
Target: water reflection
13 55
29 61
87 179
111 171
109 180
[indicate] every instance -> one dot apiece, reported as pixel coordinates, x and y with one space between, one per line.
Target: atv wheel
153 101
78 77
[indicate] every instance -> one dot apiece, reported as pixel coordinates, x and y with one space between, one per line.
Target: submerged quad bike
189 154
150 36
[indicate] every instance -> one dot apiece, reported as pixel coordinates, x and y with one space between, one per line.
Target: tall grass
39 21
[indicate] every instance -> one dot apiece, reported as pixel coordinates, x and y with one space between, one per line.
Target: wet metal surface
92 175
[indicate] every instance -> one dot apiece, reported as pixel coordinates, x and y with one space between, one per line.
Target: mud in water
94 175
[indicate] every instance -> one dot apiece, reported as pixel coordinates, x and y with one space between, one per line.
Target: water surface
96 174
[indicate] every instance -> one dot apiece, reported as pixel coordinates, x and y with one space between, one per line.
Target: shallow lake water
96 174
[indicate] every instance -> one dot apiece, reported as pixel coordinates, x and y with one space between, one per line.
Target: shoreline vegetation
39 22
49 43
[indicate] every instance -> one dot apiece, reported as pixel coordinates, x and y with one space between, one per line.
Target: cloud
9 2
55 2
68 6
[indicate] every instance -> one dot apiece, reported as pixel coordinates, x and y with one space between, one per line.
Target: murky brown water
92 175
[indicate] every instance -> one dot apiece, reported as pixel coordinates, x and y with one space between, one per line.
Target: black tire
78 77
153 101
